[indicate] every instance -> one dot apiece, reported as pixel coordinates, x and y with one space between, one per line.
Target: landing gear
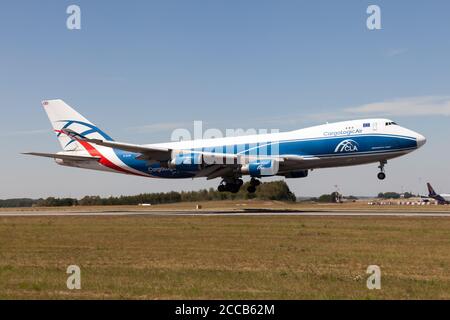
233 185
230 185
253 184
381 175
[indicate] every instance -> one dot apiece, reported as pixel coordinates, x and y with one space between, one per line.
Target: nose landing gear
381 175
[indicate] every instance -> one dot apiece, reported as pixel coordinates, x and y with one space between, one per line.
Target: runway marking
227 213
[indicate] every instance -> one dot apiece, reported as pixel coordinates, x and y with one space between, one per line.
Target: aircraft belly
329 162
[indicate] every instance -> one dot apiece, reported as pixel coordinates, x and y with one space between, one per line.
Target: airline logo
347 145
342 133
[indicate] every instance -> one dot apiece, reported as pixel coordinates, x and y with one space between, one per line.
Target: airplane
440 198
290 154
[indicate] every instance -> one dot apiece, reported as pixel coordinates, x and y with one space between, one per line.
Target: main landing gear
381 175
253 184
230 185
233 185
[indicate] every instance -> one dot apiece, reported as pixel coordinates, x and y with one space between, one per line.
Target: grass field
148 257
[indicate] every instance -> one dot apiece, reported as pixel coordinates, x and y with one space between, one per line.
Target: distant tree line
395 195
17 203
277 190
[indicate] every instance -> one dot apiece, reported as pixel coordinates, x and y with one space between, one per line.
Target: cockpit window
391 123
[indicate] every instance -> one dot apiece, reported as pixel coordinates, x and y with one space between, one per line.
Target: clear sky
139 69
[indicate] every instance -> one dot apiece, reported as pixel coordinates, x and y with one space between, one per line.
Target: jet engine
189 162
296 174
261 168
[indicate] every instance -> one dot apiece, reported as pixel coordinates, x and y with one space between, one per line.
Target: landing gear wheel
381 175
230 185
253 184
234 188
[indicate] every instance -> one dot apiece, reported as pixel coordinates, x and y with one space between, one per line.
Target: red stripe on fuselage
103 160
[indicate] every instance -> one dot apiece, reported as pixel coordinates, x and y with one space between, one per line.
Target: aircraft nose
421 140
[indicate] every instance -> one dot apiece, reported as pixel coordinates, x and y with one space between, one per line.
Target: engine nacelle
261 168
190 162
296 174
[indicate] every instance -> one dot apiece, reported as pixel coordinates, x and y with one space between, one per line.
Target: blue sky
139 69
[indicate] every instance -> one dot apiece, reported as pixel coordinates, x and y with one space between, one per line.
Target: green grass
149 257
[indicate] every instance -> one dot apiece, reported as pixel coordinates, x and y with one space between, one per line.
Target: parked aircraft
440 198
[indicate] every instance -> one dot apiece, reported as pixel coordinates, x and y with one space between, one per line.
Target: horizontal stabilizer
62 156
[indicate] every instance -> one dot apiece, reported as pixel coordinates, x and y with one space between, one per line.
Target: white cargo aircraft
290 154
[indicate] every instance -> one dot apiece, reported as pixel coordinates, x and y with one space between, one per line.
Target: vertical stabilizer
431 192
62 116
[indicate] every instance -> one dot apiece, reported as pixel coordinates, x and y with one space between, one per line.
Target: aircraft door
375 126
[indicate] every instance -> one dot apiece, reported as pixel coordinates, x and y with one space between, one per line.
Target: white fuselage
363 141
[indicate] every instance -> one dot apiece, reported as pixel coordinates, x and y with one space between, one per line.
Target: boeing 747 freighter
290 154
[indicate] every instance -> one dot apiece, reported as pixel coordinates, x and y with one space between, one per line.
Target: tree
325 198
389 195
408 195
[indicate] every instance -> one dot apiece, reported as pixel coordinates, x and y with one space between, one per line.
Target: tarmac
253 212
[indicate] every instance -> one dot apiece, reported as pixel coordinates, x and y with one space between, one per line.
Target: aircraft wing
227 168
226 162
62 156
147 153
299 158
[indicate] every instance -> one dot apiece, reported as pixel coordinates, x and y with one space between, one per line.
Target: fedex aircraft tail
62 116
431 191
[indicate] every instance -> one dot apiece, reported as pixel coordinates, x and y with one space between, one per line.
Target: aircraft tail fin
431 191
62 116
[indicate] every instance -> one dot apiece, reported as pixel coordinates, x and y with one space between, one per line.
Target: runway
256 213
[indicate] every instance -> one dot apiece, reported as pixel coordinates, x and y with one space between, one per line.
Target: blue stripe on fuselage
313 147
155 169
